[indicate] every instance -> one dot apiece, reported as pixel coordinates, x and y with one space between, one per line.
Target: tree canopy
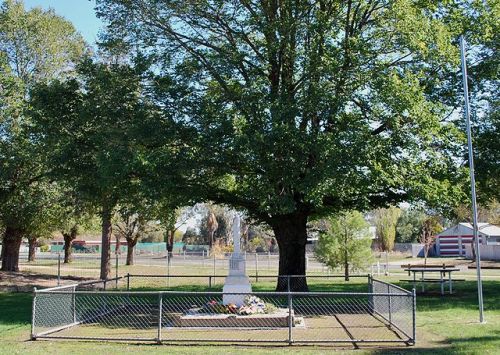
93 127
35 46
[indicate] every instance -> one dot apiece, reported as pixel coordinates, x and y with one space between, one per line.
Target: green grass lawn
445 325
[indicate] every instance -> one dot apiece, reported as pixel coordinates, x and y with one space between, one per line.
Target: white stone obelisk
237 281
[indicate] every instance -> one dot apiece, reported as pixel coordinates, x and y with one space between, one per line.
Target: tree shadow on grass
464 296
462 345
15 308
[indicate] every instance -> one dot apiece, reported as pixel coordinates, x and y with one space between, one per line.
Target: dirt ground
25 281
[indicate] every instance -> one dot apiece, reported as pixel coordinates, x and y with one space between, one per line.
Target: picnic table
442 277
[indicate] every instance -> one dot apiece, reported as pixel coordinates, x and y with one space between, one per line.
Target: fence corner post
33 313
414 295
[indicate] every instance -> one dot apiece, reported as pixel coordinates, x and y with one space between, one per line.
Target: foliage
134 227
257 244
39 45
346 243
386 220
488 212
487 147
298 109
93 130
224 222
410 224
264 81
191 237
95 123
35 46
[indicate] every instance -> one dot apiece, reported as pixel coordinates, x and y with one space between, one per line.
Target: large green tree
35 46
302 108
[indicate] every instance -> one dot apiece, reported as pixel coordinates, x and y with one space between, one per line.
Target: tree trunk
107 230
130 251
291 235
10 249
117 244
346 266
32 248
170 243
68 243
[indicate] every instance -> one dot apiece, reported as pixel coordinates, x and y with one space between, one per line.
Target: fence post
414 295
168 269
256 267
160 311
390 305
58 269
73 301
33 313
116 271
269 260
209 281
290 314
370 291
214 263
128 281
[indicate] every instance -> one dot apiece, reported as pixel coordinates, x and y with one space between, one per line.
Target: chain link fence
86 267
385 314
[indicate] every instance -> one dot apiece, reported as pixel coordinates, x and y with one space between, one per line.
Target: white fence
488 252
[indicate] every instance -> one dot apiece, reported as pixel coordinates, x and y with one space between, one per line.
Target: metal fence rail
87 266
217 281
385 315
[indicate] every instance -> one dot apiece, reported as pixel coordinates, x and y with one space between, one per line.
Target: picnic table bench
426 266
442 280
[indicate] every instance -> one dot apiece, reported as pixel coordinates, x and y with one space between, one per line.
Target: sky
80 12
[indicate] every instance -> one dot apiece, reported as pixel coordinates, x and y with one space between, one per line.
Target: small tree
172 219
132 226
386 220
346 243
430 228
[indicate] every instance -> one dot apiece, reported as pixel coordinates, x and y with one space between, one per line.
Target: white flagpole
472 180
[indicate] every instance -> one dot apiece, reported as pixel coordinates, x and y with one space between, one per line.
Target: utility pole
472 180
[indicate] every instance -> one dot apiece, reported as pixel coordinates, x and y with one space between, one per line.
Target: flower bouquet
251 305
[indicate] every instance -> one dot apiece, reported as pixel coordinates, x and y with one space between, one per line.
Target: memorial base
236 284
279 319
